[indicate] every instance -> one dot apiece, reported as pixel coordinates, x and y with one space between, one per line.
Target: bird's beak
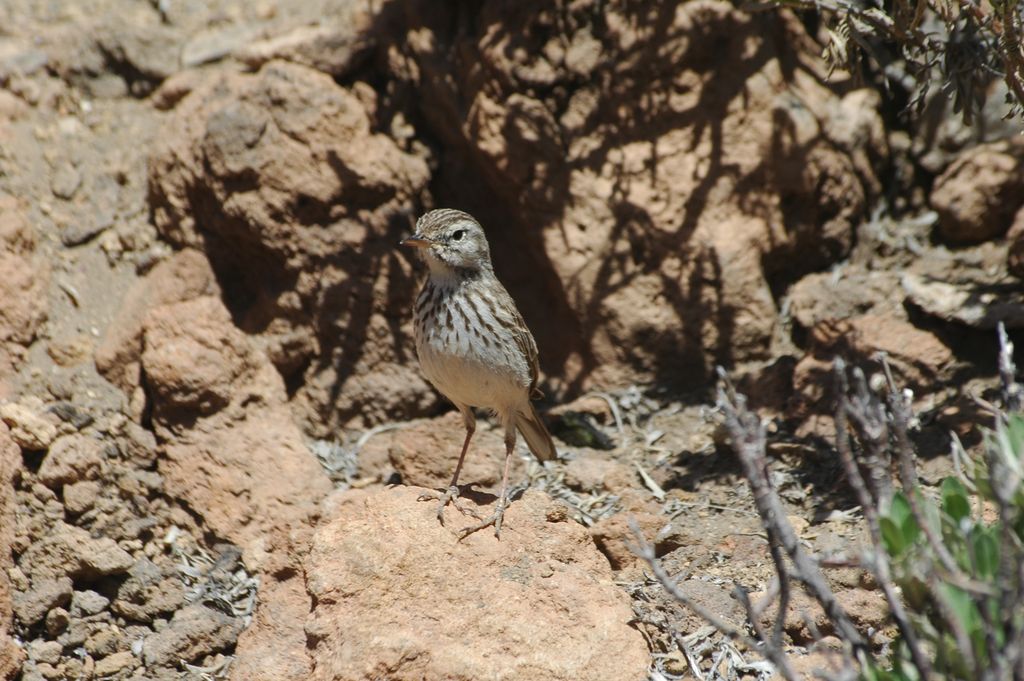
417 241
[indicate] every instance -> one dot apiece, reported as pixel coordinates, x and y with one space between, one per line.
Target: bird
474 346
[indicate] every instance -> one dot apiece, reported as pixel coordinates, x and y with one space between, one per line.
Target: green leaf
955 501
986 553
959 603
899 509
1015 433
892 536
1007 443
908 524
899 529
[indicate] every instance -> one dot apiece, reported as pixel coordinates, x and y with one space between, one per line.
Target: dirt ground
205 351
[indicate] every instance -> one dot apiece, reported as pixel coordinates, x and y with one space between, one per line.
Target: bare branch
1013 392
748 440
878 562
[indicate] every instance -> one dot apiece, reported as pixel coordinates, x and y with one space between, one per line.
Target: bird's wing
527 346
506 308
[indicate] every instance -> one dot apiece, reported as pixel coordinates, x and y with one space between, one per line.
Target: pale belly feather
479 368
468 378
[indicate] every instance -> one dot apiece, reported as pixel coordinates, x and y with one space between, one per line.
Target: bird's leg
451 495
499 510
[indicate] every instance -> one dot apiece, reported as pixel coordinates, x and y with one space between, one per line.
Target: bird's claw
493 519
449 496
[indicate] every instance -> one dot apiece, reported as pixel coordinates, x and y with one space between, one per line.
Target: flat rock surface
399 597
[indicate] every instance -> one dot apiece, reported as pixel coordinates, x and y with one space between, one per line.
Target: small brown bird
473 344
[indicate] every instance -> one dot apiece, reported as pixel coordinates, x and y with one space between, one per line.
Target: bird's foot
493 519
449 496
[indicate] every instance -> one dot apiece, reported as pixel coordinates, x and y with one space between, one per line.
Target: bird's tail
536 435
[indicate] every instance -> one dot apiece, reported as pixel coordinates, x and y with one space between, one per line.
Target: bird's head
450 240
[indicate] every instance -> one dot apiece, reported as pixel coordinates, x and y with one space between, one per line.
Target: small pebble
45 651
105 642
65 182
56 621
88 602
112 664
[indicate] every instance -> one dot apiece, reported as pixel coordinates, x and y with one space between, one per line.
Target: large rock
278 177
399 597
648 187
648 180
11 655
980 192
183 276
231 450
230 447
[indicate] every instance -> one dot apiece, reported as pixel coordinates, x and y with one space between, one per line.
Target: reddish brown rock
642 203
980 192
16 233
232 451
590 405
334 47
43 595
425 453
241 462
614 536
26 277
712 597
273 647
23 288
641 207
193 632
539 603
867 608
183 276
980 304
196 361
301 207
11 655
851 292
917 357
825 661
854 125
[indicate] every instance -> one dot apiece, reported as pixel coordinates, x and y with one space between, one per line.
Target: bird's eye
458 234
